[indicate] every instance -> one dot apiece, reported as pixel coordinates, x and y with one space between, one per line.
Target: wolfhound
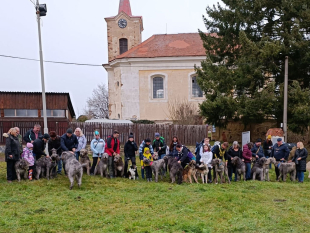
286 168
118 166
257 170
102 167
21 168
240 167
266 167
220 169
158 167
84 159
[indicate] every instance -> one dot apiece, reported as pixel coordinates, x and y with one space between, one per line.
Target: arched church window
158 88
196 90
123 45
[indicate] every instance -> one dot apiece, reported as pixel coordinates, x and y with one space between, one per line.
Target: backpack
217 143
190 155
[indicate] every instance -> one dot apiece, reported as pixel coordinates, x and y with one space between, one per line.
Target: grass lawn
121 205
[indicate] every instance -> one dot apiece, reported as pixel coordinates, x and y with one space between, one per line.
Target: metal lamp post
41 11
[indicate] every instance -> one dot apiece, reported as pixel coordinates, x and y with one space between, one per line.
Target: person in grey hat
159 145
257 150
69 141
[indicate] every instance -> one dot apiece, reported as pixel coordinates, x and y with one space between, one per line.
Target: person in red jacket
112 148
247 156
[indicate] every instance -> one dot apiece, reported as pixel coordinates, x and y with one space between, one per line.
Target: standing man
112 148
39 147
69 141
257 150
130 150
280 152
159 146
33 134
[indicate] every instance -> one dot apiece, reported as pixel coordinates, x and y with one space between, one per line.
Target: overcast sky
75 31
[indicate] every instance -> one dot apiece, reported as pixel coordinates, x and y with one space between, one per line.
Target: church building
145 76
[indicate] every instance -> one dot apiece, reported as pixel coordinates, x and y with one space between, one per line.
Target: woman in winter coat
97 146
234 151
12 153
82 142
247 156
300 159
206 158
172 149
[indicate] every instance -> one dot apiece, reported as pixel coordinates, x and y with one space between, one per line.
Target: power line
56 62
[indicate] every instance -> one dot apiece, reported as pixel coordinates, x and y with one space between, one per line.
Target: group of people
251 151
74 141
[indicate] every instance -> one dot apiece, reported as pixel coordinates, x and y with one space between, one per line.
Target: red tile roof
124 5
167 45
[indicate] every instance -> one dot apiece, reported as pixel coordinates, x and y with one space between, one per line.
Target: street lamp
41 11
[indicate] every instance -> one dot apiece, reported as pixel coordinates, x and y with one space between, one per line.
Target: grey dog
47 165
21 168
118 166
240 167
84 159
266 167
175 169
220 170
257 170
286 168
74 168
157 167
102 167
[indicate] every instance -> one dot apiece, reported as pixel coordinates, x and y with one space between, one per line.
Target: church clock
122 23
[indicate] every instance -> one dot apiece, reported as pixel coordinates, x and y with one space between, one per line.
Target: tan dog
189 171
84 159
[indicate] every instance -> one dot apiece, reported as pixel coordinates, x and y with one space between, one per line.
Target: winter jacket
266 146
12 148
54 144
280 152
38 148
219 153
247 154
232 153
199 153
97 147
301 164
257 151
183 155
20 139
173 151
82 143
206 158
112 145
130 149
142 147
67 144
31 136
147 156
28 156
159 143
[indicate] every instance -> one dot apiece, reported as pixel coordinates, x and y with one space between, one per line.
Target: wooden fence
187 134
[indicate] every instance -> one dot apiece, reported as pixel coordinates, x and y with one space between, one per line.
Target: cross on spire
124 5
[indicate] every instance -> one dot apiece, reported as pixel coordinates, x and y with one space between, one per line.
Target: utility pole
42 67
285 99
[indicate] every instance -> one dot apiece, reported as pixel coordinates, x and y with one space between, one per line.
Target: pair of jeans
300 176
133 162
111 166
77 155
148 171
248 171
95 161
10 169
162 156
59 166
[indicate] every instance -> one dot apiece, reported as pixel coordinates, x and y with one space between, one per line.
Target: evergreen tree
246 44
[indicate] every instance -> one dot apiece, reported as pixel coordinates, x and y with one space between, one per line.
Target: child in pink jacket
28 156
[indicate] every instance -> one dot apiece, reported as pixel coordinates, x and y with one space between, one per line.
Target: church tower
124 30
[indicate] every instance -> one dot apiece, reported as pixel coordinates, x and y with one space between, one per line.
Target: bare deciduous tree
183 112
97 106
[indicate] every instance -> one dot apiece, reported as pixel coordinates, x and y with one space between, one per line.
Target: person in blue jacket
257 150
280 152
97 146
